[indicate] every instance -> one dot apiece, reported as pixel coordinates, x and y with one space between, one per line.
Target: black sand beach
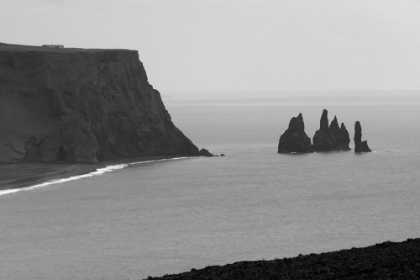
25 174
21 175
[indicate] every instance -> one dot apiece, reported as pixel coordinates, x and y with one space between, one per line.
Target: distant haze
238 45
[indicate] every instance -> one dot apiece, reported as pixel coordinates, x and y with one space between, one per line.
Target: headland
81 106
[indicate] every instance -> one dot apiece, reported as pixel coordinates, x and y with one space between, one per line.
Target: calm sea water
149 219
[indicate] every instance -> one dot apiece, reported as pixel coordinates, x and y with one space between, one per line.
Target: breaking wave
97 172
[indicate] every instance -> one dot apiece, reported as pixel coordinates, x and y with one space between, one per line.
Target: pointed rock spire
334 128
324 122
330 138
359 145
296 124
345 137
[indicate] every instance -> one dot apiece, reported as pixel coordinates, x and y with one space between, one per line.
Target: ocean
140 219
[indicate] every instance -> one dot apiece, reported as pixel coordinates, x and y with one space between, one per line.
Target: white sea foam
97 172
9 191
156 160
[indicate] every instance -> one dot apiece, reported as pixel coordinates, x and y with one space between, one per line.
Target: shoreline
24 174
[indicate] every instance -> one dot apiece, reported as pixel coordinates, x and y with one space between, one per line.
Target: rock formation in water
332 137
81 105
345 138
359 146
205 153
294 139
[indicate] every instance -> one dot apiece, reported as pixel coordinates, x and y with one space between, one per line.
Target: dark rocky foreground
81 105
388 260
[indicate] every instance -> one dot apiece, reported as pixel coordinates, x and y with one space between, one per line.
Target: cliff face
81 106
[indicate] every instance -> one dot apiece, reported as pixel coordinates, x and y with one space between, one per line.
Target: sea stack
330 138
345 138
359 146
294 139
81 105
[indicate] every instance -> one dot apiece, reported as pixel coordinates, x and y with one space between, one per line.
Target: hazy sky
238 44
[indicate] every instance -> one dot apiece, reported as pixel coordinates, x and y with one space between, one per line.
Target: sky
236 45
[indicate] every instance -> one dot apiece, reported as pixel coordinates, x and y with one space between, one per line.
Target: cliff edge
81 105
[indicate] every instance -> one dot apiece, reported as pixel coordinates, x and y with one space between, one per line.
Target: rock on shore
294 139
81 105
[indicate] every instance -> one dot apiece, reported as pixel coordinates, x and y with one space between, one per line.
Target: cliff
81 105
294 139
